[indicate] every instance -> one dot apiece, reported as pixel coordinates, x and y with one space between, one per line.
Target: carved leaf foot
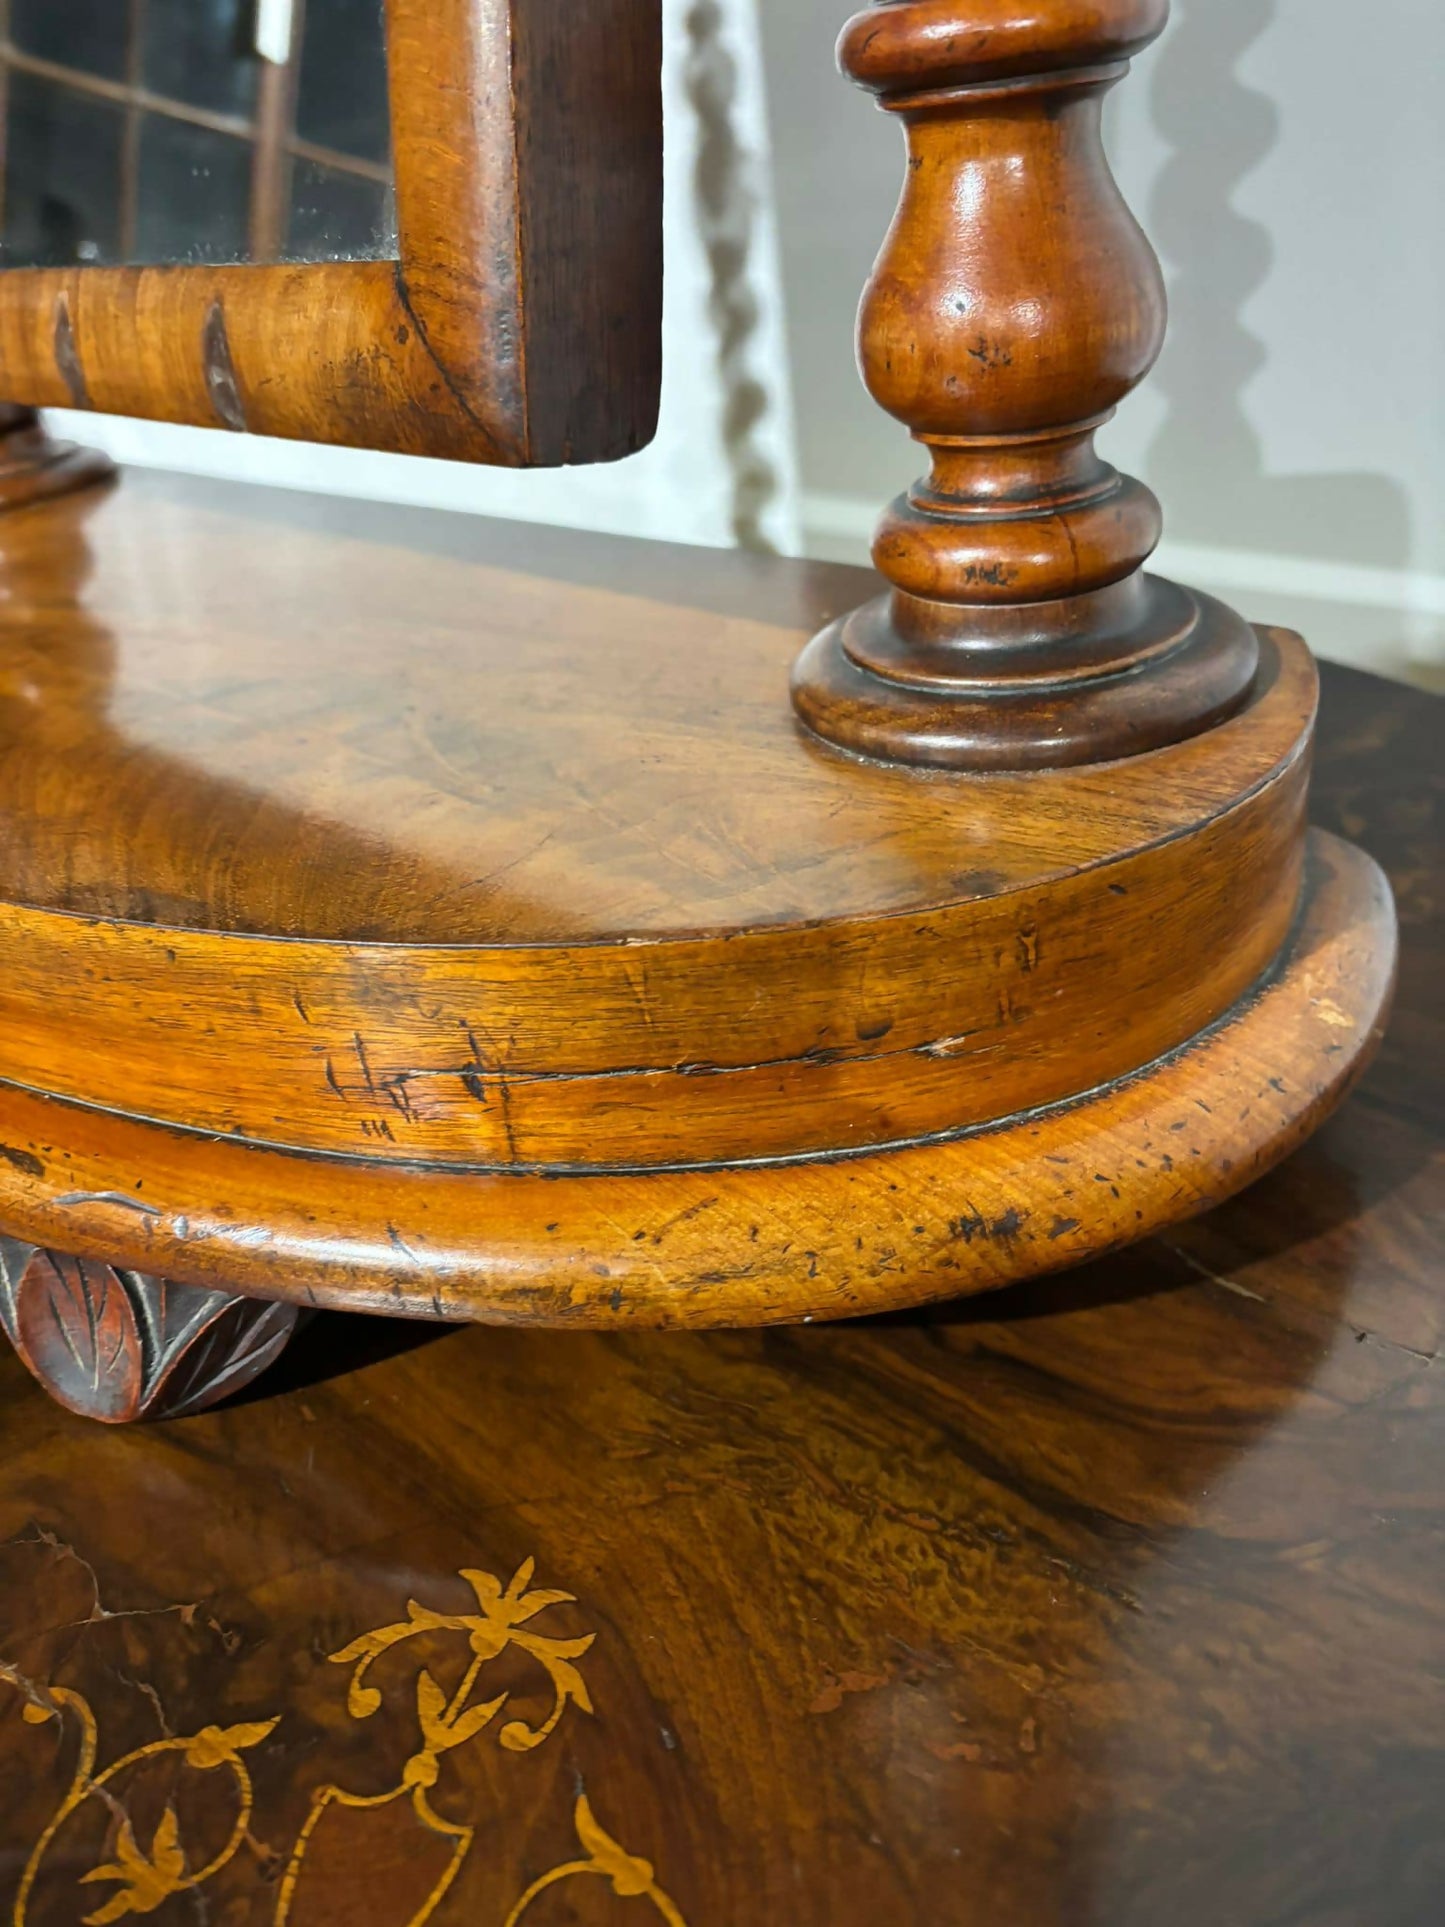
119 1345
33 467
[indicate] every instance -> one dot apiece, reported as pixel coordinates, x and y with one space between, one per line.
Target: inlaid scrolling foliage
449 1723
446 1721
631 1877
143 1876
146 1873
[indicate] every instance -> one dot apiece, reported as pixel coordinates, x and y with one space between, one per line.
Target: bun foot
119 1345
34 467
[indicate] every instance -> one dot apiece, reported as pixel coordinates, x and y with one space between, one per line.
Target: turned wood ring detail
1015 303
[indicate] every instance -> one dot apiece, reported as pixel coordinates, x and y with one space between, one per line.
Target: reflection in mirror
193 131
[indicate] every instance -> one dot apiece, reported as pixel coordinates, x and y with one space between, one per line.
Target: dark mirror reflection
193 131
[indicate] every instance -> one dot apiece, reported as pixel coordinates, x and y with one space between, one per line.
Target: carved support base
119 1346
34 467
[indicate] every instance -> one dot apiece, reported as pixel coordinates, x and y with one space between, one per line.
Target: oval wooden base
894 955
752 1244
551 972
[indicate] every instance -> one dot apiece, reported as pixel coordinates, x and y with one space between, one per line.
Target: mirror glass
192 131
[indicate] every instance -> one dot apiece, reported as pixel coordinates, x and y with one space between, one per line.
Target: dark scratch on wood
220 370
67 356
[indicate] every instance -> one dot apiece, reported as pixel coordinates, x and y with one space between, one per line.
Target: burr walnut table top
1110 1601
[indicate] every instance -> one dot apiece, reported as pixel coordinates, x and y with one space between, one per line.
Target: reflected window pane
195 193
201 52
161 136
90 34
342 98
62 176
337 216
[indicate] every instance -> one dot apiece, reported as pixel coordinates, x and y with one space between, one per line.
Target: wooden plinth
394 929
739 1244
1160 664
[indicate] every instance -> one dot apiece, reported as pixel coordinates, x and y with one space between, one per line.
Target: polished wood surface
246 711
1015 303
421 949
1108 1601
526 866
521 323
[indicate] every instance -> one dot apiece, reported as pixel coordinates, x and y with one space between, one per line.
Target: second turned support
1015 303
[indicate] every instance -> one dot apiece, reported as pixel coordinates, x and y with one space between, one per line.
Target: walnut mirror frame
520 324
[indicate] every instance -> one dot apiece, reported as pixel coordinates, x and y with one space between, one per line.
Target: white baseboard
1360 585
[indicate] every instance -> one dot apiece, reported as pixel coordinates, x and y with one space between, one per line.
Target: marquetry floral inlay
143 1876
143 1873
450 1722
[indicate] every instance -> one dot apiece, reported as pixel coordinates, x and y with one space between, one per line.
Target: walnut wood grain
409 967
1014 304
453 822
120 1345
521 322
512 949
1111 1600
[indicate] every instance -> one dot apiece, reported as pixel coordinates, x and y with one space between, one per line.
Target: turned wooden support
119 1345
1015 303
34 467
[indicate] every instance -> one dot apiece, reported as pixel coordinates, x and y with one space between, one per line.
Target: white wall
1293 178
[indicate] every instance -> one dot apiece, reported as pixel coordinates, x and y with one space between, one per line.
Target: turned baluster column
1015 303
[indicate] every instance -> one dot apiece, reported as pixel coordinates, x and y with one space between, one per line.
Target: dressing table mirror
461 924
436 231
